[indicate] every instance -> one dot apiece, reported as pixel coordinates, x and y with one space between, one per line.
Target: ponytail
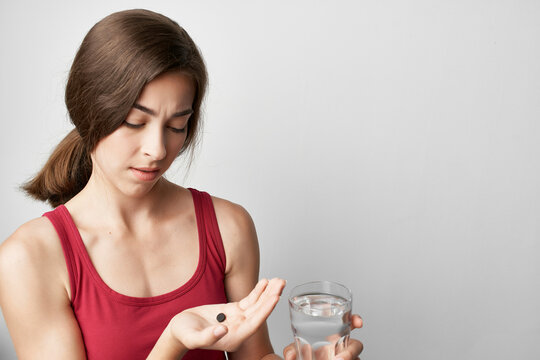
65 174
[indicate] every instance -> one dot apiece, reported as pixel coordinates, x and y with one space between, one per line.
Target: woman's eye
172 128
133 126
177 130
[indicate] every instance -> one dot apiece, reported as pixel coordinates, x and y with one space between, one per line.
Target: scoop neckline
135 300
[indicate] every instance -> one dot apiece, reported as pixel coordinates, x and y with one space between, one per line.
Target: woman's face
133 157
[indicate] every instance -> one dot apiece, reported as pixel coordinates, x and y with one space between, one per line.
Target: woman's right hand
198 328
351 353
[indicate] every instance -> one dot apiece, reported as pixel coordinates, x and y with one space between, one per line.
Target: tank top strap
206 216
59 217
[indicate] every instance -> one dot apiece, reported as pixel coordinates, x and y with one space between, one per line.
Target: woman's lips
145 174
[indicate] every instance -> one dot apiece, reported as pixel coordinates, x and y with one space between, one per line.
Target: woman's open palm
198 328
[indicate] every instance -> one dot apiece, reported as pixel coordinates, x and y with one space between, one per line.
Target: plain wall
388 145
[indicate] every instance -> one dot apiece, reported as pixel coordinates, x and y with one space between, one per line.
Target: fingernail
339 358
288 355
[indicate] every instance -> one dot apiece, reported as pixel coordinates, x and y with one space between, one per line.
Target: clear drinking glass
320 319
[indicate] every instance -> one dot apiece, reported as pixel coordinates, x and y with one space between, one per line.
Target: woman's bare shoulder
34 244
232 216
239 237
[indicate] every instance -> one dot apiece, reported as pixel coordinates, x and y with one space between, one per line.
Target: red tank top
116 326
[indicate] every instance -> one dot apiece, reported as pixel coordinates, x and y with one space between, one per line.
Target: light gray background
388 145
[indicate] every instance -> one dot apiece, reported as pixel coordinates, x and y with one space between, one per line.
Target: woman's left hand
351 353
198 327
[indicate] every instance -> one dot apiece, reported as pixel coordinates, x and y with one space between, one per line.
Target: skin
134 232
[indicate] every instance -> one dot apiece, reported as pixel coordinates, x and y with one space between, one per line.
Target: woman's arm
242 271
34 294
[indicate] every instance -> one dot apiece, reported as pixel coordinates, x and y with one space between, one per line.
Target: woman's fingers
289 352
356 322
254 295
267 301
219 331
200 338
246 316
258 314
211 335
276 286
353 350
273 289
261 292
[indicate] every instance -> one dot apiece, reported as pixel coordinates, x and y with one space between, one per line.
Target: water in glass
321 325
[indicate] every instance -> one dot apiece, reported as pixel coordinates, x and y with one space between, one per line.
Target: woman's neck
103 203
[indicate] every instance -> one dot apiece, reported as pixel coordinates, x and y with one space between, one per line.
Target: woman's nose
154 145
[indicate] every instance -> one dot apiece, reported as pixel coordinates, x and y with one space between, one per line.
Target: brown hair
116 59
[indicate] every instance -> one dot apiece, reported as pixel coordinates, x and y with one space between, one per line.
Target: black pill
220 317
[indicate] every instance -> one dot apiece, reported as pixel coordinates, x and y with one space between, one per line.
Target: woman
98 277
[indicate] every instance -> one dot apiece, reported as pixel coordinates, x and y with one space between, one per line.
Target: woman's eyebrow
153 113
183 113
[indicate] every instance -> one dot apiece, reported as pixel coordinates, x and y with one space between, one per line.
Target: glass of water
320 319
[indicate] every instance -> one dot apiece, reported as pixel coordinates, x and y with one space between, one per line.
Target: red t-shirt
116 326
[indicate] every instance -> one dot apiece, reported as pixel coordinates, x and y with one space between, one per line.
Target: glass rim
316 282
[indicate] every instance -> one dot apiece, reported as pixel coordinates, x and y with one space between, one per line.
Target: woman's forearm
167 347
